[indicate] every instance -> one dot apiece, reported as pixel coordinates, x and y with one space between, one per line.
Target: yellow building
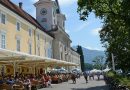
20 32
22 36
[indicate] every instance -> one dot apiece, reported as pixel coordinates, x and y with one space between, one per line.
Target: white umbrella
93 71
99 71
106 70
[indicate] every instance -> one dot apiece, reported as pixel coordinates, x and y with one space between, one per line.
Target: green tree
115 35
80 51
98 62
88 66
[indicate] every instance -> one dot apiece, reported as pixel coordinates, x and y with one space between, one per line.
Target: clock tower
46 13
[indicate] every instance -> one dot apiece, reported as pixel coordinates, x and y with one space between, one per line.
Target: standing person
98 75
91 75
73 77
86 76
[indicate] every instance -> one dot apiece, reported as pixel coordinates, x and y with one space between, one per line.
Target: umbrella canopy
106 70
95 71
62 69
76 69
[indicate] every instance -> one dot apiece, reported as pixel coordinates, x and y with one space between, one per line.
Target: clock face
43 11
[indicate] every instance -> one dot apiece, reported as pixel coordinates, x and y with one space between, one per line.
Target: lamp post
113 62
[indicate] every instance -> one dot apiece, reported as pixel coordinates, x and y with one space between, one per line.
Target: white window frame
2 13
38 50
17 26
30 32
3 45
38 36
50 50
18 48
45 51
30 48
49 53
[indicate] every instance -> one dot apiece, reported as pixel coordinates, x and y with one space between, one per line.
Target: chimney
20 4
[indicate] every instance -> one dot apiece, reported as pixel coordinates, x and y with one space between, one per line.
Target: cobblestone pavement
80 85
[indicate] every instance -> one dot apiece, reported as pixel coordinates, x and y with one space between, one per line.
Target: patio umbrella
106 70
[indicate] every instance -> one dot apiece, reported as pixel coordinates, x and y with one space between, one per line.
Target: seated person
10 80
1 81
54 79
27 83
43 81
49 80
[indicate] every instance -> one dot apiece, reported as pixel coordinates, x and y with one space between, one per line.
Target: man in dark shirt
86 76
73 77
1 81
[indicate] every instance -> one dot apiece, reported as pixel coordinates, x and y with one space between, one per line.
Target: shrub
122 80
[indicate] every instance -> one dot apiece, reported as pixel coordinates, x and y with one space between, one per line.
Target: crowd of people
32 82
91 75
24 82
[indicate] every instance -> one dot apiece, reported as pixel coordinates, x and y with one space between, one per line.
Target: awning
8 56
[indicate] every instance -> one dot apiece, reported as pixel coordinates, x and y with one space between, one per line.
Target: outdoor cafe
21 68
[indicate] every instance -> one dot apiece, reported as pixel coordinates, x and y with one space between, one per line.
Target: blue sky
84 33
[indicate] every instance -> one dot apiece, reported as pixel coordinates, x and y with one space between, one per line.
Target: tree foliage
80 51
88 66
98 62
115 33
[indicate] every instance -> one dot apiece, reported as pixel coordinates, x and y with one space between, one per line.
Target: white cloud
66 2
68 31
89 48
94 48
84 26
95 32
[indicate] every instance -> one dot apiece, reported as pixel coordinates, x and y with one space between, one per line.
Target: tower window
44 20
18 26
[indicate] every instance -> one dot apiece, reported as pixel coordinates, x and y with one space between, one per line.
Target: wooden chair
40 84
34 84
5 87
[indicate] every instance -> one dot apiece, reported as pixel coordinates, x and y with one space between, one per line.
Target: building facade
19 34
75 57
48 14
44 36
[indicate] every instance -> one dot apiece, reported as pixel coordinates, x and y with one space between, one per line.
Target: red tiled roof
22 13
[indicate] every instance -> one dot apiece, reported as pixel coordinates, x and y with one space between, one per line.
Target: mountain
89 55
